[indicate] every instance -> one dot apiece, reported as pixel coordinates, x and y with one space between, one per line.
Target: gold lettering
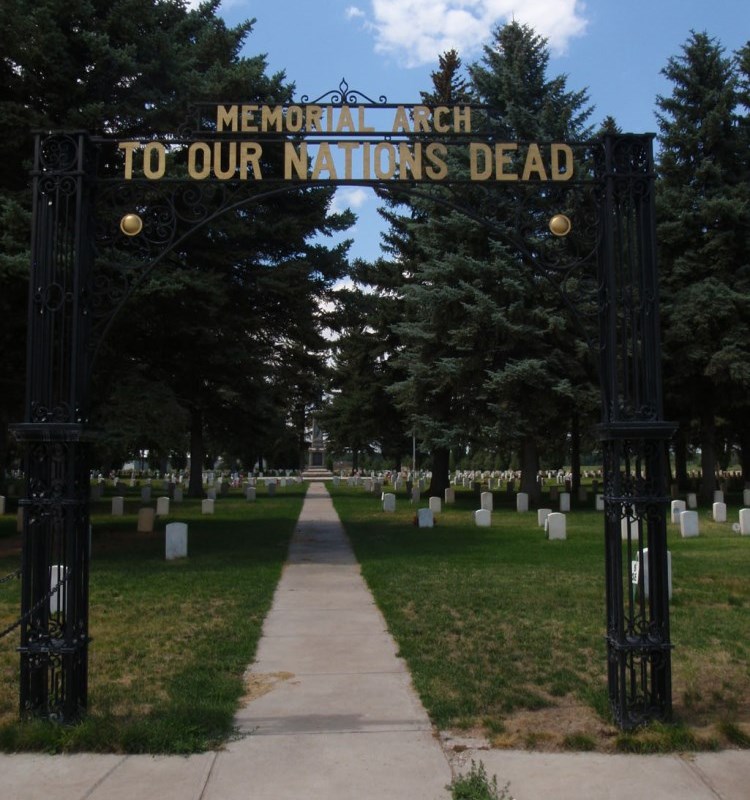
346 122
437 119
225 173
503 160
421 115
439 169
247 122
462 119
348 148
534 164
390 170
161 161
226 117
477 173
401 121
562 171
295 119
361 121
272 117
194 170
250 153
324 161
366 160
409 161
295 160
314 116
129 148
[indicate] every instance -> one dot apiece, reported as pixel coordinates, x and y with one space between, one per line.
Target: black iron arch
84 266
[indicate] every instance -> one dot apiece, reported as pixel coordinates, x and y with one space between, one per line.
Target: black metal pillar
54 605
634 437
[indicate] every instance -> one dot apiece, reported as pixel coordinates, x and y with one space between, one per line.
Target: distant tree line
465 347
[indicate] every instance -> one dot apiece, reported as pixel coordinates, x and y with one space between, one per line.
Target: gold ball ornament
131 224
560 225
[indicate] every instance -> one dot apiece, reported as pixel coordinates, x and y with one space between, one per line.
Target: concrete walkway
331 715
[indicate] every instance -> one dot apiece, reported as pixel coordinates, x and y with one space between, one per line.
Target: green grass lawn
171 640
503 630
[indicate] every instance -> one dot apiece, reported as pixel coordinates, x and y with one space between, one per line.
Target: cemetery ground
170 639
502 629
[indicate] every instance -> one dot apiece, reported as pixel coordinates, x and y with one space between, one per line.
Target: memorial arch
106 211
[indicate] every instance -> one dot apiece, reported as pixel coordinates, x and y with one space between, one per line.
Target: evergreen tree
702 233
129 69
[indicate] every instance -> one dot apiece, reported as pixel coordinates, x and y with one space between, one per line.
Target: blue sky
614 48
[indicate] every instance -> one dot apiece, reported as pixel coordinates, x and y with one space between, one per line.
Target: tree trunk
197 453
680 459
530 471
708 454
575 453
440 472
745 453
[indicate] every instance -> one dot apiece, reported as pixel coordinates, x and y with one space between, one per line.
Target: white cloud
416 31
352 12
349 197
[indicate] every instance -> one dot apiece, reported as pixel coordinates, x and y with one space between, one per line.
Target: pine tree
702 210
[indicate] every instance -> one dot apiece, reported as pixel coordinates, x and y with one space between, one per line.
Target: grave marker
176 541
689 525
555 525
145 520
483 518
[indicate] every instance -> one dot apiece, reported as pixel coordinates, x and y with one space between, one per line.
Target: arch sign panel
352 143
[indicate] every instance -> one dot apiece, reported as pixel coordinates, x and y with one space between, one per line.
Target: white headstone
162 506
368 484
271 485
522 501
486 501
600 502
207 506
636 572
632 524
483 518
177 494
57 573
211 494
541 516
450 495
176 540
389 501
689 525
145 520
720 512
555 525
564 501
746 497
678 506
425 518
415 494
436 505
118 506
692 500
250 494
745 521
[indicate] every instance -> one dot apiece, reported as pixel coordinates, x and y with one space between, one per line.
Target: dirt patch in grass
259 683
